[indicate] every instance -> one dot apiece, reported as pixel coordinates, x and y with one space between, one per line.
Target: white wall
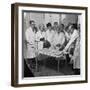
5 45
49 17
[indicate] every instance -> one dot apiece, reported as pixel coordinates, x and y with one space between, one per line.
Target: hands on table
63 52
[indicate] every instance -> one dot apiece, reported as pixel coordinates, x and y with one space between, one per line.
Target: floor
49 68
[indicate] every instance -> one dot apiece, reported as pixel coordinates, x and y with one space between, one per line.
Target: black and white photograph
49 44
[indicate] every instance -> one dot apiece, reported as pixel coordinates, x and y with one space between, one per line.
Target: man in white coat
31 44
74 38
59 38
49 35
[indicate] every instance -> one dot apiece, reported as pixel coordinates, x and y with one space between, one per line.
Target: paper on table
51 52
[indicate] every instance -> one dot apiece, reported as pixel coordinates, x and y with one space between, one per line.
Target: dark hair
62 25
74 26
35 29
55 22
48 25
30 22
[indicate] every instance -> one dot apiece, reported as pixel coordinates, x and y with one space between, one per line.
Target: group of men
49 37
55 37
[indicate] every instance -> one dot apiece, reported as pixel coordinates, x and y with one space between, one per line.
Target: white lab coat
50 35
76 56
72 38
59 39
40 35
31 45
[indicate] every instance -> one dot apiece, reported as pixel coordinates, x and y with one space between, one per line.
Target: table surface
51 52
